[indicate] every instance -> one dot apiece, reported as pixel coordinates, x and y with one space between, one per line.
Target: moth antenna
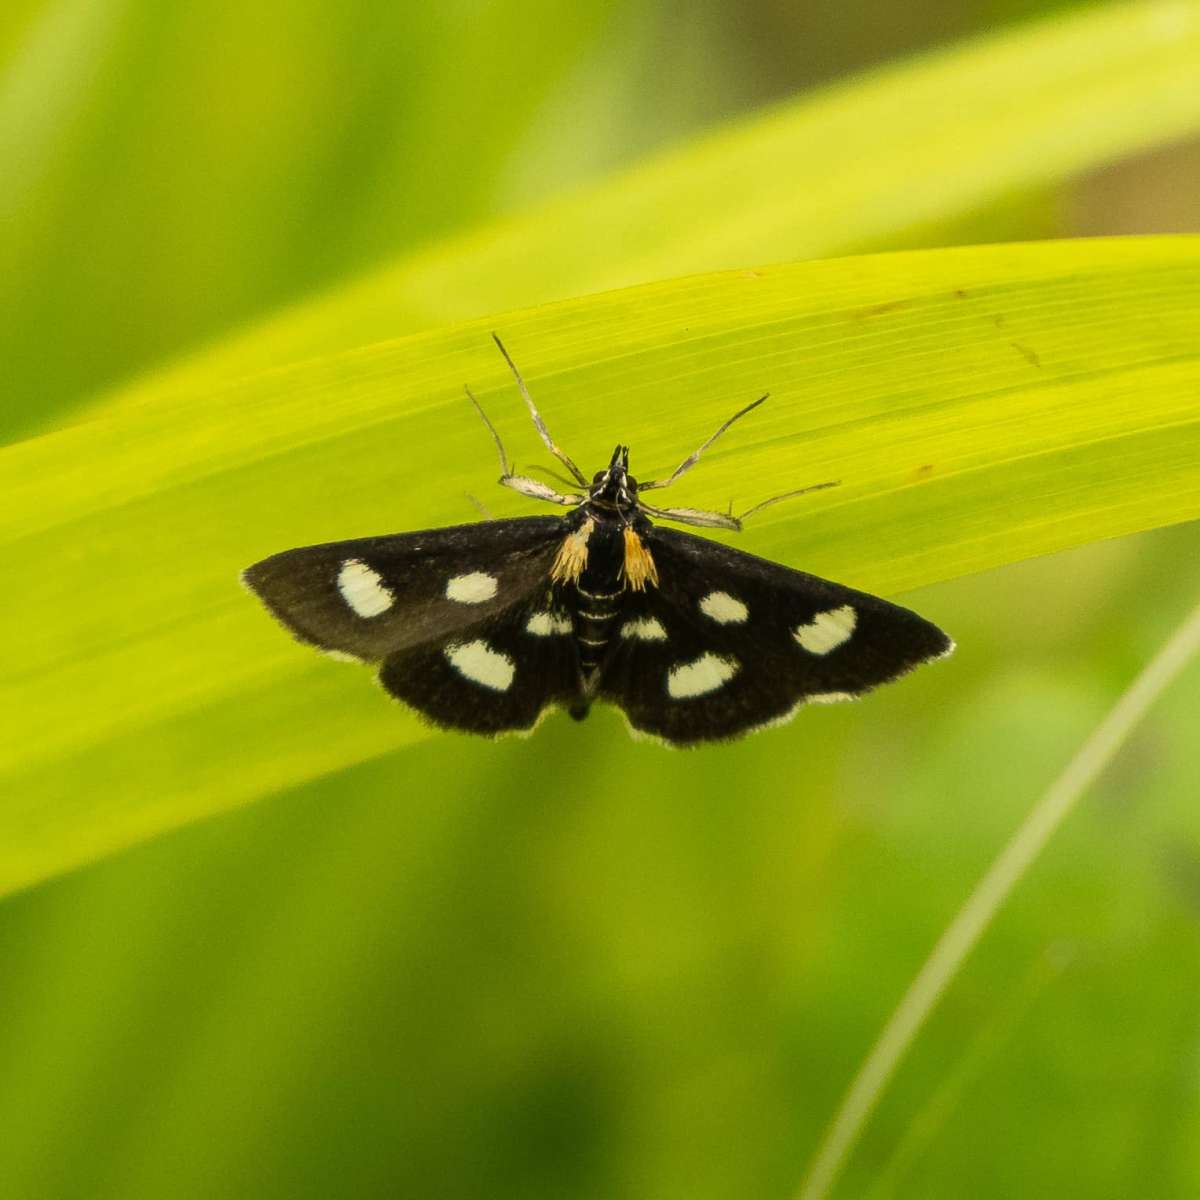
538 423
504 468
691 460
812 487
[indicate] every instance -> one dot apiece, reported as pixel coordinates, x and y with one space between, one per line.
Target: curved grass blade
980 406
873 163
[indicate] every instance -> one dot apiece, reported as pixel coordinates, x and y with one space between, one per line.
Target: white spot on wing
827 698
546 624
474 588
645 629
724 608
827 630
363 589
698 678
479 663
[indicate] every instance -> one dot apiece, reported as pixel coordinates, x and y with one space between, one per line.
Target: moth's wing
746 641
372 597
501 675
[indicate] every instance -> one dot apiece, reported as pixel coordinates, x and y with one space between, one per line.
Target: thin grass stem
964 932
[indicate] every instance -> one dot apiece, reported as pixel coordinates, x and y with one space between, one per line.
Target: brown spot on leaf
877 310
1030 356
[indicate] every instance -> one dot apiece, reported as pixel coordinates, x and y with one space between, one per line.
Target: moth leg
480 507
520 483
504 467
716 520
812 487
550 474
695 516
538 423
691 460
536 490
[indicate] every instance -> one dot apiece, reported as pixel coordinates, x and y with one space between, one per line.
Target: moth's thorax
603 570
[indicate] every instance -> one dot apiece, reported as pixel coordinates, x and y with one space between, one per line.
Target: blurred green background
572 966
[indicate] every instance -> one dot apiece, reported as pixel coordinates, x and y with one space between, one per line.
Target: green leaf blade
978 405
864 165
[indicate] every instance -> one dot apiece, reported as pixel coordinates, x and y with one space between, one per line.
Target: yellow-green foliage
575 966
979 406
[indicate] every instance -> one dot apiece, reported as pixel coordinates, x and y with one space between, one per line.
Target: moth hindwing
486 627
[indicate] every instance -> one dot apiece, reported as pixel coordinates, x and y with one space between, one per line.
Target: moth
487 627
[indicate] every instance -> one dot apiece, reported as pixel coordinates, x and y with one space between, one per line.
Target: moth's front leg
695 516
536 490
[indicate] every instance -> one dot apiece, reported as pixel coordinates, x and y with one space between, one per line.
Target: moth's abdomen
597 596
595 617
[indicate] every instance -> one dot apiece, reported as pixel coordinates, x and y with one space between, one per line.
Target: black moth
487 627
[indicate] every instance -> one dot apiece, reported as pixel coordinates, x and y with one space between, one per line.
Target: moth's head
615 485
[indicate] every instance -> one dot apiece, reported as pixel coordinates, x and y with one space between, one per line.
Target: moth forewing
372 597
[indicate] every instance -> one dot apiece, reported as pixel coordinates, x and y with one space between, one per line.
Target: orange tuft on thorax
639 565
572 554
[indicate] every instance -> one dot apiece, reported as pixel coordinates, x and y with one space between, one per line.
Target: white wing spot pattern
724 608
475 588
706 674
645 629
827 630
546 624
363 589
479 663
